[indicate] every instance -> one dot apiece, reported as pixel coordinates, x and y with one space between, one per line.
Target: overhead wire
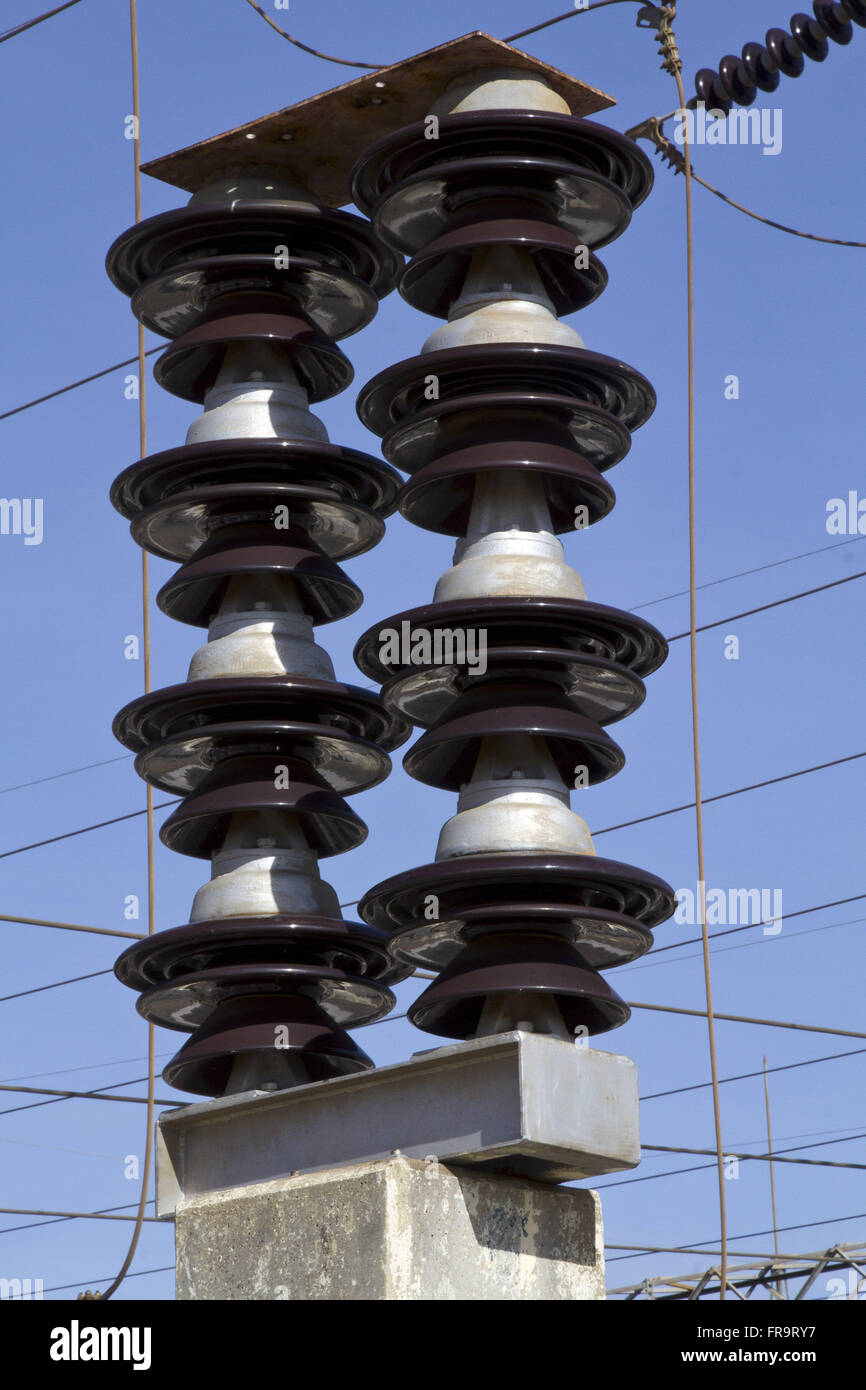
777 603
82 381
30 23
145 611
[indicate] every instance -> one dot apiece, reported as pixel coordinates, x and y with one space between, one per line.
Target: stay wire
145 609
672 63
30 23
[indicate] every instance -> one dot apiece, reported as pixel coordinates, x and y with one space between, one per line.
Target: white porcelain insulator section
261 629
264 867
502 301
502 1013
508 89
515 802
256 396
510 548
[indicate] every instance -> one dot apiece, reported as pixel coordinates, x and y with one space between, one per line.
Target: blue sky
780 313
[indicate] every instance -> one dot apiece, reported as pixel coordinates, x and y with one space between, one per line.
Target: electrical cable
748 1075
729 931
68 926
672 63
742 574
742 1018
145 609
777 603
31 1225
83 381
722 796
99 825
29 23
35 781
758 1158
4 998
691 1248
95 1094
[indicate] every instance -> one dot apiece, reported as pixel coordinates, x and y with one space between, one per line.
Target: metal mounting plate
317 140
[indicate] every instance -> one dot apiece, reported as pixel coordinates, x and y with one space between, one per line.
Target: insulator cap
433 279
834 19
190 366
527 965
735 80
440 495
194 594
199 825
446 755
760 68
811 36
710 90
785 52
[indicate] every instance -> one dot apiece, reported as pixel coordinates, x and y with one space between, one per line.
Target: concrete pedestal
395 1229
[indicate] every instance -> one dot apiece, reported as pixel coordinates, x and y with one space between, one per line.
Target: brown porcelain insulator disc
199 825
336 301
597 689
498 417
600 940
180 762
350 947
189 1001
399 391
434 278
445 756
352 475
436 199
249 1026
529 966
490 880
176 529
506 135
250 226
195 706
189 367
194 594
439 496
429 635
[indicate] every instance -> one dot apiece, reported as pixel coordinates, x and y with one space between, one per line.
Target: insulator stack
507 425
738 80
254 282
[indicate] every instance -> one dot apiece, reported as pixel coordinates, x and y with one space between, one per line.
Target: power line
99 825
777 603
138 1274
95 1094
730 931
742 574
742 1018
758 1158
31 1225
326 57
69 926
4 998
82 382
691 1248
569 14
737 791
74 1215
28 24
748 1075
34 782
652 130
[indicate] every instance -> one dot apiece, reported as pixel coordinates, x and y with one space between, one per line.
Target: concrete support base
395 1229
